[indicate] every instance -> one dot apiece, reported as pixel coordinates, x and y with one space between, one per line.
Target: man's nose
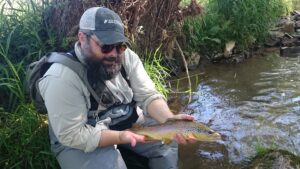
114 53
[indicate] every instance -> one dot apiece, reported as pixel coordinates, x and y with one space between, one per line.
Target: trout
166 132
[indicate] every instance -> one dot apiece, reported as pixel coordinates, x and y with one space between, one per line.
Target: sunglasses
120 47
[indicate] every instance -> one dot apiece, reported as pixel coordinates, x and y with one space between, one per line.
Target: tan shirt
68 100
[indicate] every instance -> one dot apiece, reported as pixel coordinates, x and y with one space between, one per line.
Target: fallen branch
186 70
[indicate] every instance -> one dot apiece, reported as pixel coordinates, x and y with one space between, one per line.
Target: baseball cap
104 23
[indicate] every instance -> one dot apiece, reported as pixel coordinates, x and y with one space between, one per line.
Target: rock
193 60
217 57
290 51
271 42
228 48
288 42
282 21
288 27
274 39
297 24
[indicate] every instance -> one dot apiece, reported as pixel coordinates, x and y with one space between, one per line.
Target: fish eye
210 132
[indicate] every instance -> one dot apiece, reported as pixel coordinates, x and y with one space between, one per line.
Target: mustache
112 59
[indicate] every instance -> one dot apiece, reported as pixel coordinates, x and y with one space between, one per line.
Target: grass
158 73
24 140
23 132
11 80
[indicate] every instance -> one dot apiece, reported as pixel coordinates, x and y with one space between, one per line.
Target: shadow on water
251 104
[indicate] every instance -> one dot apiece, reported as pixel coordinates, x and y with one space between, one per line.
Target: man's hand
111 137
180 139
130 138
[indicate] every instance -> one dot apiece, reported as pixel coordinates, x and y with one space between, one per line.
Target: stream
253 105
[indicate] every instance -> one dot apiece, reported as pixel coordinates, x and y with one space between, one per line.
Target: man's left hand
179 138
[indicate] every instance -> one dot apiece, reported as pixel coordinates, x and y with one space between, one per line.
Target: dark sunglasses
120 47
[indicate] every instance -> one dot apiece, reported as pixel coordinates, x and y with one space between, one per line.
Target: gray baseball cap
104 23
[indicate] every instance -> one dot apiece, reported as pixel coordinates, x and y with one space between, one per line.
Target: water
252 104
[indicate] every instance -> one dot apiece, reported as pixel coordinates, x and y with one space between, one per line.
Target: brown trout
167 131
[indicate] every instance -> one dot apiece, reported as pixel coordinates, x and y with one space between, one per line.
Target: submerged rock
275 159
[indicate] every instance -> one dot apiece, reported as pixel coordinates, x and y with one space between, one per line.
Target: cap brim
110 37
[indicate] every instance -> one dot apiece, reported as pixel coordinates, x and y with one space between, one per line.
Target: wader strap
76 66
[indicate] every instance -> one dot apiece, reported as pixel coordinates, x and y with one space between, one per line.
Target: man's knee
106 158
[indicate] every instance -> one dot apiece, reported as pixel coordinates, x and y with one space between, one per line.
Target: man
84 141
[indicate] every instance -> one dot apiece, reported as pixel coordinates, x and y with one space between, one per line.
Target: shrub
245 21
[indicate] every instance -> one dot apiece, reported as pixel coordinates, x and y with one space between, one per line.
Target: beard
97 67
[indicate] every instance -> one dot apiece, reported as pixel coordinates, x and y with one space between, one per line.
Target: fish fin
167 141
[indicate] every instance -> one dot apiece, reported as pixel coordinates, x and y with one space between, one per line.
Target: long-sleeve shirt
68 100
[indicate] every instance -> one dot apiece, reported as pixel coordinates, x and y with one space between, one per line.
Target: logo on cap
112 21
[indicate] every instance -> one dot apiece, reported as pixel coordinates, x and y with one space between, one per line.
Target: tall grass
245 21
10 79
153 63
23 132
24 140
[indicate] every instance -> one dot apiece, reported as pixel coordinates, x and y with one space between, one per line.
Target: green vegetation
246 22
24 139
157 72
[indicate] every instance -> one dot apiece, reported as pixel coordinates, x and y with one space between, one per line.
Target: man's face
97 55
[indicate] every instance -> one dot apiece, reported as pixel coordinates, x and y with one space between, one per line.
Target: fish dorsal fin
175 120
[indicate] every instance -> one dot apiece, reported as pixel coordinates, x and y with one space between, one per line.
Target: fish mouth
216 135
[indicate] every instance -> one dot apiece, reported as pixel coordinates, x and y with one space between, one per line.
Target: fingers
180 139
191 140
137 139
133 142
183 116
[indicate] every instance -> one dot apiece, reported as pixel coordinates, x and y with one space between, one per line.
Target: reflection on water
255 103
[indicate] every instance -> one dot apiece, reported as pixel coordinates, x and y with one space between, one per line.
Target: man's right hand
112 137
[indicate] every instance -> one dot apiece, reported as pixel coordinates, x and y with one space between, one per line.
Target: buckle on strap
93 114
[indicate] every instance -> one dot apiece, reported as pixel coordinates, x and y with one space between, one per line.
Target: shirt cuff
149 100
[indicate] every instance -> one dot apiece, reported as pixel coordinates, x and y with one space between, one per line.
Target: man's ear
81 37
